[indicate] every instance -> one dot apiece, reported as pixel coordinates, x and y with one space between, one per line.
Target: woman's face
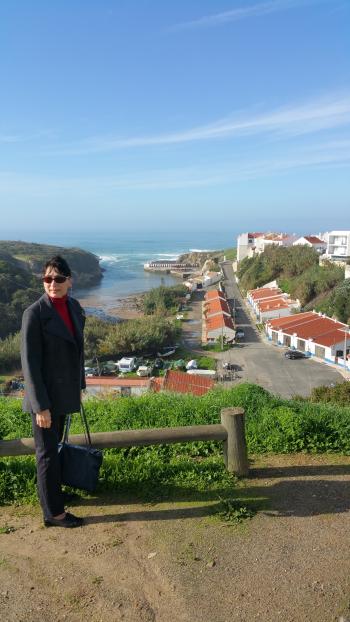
54 289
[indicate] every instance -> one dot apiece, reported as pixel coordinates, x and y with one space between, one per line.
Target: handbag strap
66 429
85 427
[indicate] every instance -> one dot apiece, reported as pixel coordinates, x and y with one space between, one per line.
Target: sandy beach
126 308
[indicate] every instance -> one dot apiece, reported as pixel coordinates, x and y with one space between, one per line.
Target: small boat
166 352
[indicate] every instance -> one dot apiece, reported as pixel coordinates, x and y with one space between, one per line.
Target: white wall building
210 278
312 332
312 241
246 245
219 326
250 244
338 244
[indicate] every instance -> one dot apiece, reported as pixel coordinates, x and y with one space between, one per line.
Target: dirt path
175 562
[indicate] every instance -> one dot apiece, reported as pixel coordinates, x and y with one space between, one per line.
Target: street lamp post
345 356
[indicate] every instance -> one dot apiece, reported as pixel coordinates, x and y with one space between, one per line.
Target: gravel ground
144 563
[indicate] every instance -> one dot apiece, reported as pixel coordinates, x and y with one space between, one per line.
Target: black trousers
48 465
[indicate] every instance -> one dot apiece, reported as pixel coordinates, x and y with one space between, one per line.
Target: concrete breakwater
173 267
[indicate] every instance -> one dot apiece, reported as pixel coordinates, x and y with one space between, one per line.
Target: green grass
230 254
191 471
216 347
206 362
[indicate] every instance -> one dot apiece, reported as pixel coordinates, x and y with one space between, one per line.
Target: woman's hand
43 419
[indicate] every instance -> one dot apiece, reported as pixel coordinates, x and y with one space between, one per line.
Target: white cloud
308 117
330 154
244 12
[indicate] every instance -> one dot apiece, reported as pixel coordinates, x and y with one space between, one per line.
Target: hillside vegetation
18 290
297 271
101 338
273 425
20 270
31 257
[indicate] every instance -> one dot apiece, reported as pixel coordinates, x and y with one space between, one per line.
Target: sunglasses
57 279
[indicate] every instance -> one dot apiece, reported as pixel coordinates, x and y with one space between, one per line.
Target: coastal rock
212 257
31 257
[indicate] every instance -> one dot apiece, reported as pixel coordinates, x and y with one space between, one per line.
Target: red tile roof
332 338
157 384
276 236
216 305
180 382
214 293
264 292
322 330
256 235
275 303
219 321
295 319
313 239
315 328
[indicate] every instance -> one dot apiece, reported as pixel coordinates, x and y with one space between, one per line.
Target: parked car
90 372
295 354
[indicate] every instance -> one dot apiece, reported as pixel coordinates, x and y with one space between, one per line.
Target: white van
126 364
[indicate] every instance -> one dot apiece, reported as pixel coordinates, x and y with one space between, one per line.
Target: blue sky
148 115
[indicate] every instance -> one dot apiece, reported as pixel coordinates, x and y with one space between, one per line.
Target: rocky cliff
31 257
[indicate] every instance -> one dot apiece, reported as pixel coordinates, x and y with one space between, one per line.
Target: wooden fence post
235 448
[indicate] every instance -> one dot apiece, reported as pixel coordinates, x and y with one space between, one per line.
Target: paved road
263 363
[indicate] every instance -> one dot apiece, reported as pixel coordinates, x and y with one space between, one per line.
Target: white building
219 326
210 278
246 245
338 245
250 244
312 332
271 302
312 241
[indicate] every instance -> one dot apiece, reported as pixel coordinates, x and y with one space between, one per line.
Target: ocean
124 254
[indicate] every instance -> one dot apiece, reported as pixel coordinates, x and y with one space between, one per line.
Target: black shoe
69 521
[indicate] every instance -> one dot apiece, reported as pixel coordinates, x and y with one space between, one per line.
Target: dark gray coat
52 359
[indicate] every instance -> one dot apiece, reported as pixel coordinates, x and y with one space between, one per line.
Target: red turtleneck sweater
61 307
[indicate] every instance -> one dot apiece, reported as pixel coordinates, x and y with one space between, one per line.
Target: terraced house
321 336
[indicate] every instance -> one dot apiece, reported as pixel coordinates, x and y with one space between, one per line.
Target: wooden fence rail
230 431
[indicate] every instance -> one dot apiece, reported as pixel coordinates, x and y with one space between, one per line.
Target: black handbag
80 465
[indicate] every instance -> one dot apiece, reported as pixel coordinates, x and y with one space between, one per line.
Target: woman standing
52 353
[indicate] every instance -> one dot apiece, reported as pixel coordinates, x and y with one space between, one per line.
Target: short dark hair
59 264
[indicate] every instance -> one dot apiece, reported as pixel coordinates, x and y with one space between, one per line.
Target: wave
111 258
202 250
167 255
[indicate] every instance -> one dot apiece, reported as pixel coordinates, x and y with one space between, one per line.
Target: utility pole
344 353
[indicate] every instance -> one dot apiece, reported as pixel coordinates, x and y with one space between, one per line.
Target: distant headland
31 257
